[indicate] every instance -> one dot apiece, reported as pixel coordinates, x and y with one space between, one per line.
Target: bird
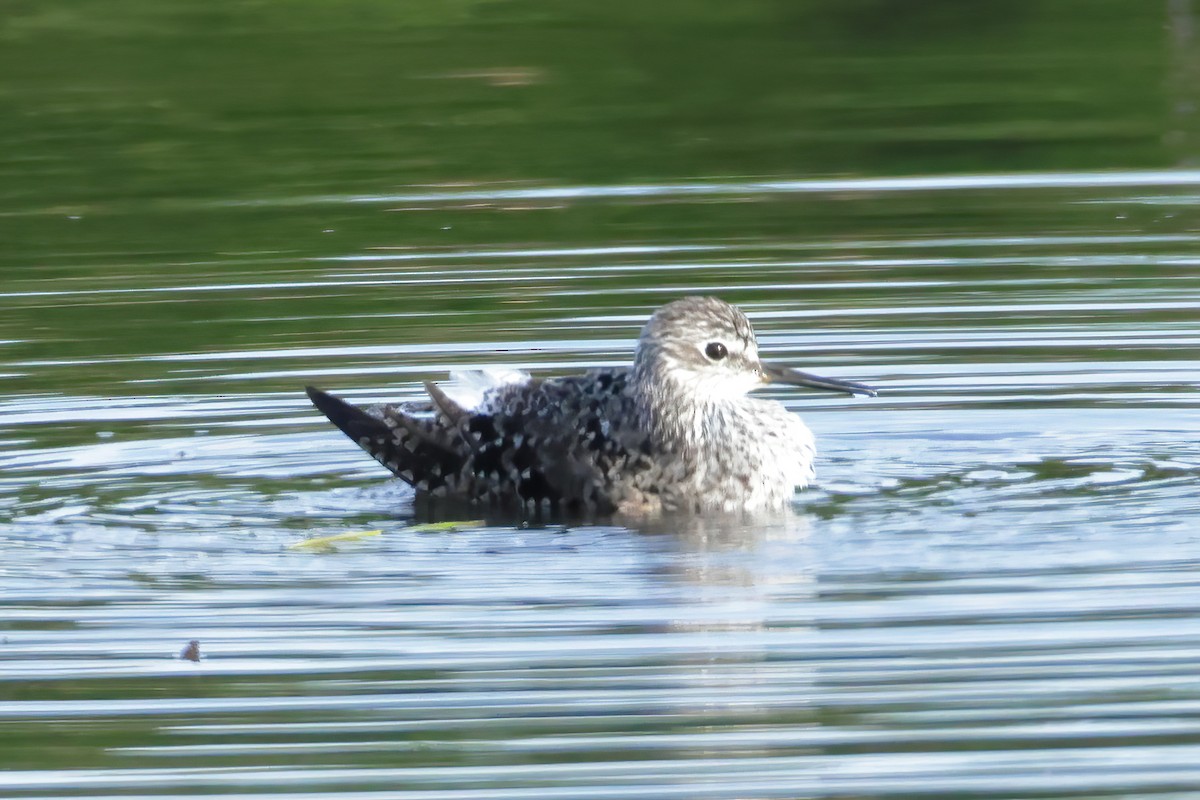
675 432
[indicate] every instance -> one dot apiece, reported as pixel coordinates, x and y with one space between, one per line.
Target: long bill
795 377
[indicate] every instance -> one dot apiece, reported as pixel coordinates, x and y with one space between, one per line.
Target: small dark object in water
191 652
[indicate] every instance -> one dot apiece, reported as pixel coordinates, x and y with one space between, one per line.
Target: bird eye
716 351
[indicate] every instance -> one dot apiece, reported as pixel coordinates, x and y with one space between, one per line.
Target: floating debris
323 543
327 544
191 652
445 527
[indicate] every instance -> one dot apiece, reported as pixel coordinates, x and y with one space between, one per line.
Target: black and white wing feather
567 442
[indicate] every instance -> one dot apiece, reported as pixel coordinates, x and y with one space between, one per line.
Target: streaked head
700 344
707 347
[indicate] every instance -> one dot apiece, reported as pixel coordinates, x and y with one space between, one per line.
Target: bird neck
679 417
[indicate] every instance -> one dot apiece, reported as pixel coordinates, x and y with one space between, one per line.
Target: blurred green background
171 145
111 101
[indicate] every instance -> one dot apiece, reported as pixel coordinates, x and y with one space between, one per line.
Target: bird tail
410 448
350 420
370 433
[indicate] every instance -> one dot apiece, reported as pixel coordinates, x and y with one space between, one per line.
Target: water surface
992 591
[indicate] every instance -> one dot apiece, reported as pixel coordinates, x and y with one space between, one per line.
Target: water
991 593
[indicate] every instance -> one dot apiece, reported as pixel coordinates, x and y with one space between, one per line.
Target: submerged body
676 431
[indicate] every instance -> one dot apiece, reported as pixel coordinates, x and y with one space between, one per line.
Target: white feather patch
469 387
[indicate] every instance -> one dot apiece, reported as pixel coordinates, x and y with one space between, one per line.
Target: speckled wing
568 442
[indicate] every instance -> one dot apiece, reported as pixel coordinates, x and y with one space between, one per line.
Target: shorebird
676 431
